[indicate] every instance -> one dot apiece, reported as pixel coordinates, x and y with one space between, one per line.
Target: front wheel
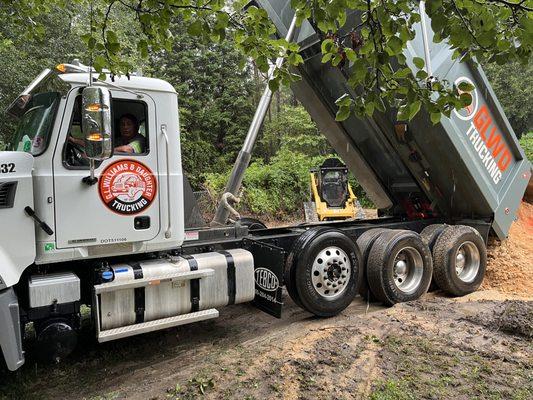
327 271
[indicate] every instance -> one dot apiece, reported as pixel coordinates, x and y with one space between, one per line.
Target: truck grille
7 194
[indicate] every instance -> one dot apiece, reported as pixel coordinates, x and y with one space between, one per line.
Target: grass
392 389
429 367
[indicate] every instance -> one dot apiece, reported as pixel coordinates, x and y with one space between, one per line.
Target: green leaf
369 108
111 37
326 57
419 62
465 87
342 114
99 63
395 44
414 108
195 29
344 101
336 60
350 54
273 84
327 46
466 99
421 74
435 117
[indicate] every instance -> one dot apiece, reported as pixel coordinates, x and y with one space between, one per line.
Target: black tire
382 264
431 233
322 300
252 224
365 242
445 257
290 264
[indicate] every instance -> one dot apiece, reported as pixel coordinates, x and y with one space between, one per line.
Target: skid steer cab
332 197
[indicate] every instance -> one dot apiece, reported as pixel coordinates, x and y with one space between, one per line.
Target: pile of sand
510 263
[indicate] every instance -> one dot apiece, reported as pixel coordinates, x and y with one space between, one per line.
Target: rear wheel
399 267
429 235
365 242
326 268
460 259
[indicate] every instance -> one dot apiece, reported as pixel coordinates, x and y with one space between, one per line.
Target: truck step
155 280
164 323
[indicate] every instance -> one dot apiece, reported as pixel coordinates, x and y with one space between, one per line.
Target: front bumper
10 330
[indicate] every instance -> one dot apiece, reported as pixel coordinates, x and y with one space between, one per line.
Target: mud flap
269 262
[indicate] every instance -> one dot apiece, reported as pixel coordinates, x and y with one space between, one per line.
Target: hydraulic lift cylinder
243 159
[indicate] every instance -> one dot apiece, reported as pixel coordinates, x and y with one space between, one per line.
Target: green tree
497 30
22 57
215 89
291 128
512 84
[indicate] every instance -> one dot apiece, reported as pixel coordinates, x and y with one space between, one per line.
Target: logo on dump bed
468 112
127 187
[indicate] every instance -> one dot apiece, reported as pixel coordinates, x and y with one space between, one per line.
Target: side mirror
96 123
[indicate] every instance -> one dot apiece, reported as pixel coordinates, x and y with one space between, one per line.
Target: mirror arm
91 179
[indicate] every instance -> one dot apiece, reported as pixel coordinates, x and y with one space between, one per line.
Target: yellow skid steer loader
332 197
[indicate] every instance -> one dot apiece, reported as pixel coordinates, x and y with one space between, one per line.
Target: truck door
123 206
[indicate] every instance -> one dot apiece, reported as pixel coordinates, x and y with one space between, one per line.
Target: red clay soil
510 263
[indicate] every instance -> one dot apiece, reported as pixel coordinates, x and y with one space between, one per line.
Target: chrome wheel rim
467 262
408 269
330 273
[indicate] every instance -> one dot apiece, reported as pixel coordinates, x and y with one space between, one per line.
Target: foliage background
218 90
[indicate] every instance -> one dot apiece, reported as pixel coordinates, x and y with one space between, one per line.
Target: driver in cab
130 141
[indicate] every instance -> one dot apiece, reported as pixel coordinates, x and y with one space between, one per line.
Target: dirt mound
510 263
514 317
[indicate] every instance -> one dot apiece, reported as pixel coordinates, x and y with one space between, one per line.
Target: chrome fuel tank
155 289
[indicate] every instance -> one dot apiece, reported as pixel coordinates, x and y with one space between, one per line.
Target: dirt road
433 348
478 346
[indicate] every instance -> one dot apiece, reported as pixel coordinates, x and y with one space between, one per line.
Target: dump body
469 166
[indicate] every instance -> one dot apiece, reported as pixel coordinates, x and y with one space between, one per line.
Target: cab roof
131 83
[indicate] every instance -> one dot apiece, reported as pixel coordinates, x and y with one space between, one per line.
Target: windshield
33 131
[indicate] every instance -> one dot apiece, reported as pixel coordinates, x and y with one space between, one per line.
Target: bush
278 188
526 141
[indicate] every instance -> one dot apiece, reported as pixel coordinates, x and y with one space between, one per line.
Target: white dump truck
85 221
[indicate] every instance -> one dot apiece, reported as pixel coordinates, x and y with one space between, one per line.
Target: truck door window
130 133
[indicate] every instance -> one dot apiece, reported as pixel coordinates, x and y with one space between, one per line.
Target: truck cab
136 204
52 214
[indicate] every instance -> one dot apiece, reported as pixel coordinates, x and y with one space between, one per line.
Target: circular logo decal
127 187
468 112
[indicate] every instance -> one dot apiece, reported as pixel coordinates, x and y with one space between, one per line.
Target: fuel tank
155 289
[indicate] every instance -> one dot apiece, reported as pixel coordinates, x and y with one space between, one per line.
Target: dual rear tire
460 260
326 269
399 267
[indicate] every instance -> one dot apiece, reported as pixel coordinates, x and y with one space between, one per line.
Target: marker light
95 137
61 68
95 107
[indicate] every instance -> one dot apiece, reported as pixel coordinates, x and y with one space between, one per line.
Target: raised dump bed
469 166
